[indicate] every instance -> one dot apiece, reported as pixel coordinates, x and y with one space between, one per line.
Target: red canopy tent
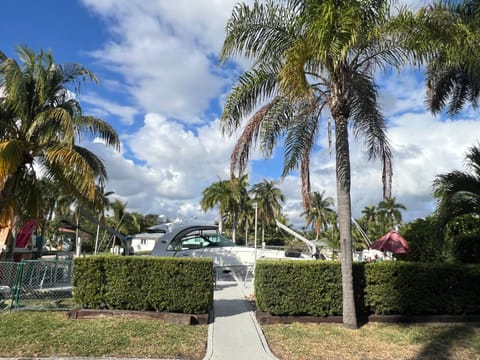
393 242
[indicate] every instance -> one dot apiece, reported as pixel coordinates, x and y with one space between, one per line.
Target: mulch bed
264 318
173 318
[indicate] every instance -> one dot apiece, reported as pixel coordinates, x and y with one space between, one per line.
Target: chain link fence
36 285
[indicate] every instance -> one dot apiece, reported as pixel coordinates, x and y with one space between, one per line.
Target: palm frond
12 156
301 135
52 125
370 123
252 90
262 32
91 127
71 169
248 138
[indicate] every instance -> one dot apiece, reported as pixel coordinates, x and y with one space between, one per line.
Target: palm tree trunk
234 227
263 235
220 221
344 218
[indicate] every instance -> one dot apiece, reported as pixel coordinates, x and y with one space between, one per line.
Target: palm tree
389 211
268 198
370 214
311 59
320 212
230 196
457 192
240 203
41 123
452 75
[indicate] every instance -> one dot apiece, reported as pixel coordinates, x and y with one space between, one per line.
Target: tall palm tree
458 192
268 198
42 123
389 211
320 212
312 59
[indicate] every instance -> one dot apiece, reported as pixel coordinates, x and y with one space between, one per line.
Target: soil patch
264 318
173 318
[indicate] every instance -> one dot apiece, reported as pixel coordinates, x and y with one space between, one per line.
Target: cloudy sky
162 89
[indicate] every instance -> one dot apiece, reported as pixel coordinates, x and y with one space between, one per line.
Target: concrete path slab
234 333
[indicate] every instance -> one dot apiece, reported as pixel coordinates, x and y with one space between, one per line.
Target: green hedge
144 283
295 287
422 288
389 287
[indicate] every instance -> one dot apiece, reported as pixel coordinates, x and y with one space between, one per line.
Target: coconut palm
42 123
320 213
458 192
312 59
268 198
389 211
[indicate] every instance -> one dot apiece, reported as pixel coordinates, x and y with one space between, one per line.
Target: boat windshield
218 240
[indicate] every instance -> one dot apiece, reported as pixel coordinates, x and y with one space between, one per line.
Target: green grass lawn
50 333
373 341
44 334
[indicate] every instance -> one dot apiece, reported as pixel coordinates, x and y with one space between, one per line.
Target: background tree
311 58
268 198
458 192
217 194
390 213
320 212
240 201
41 122
230 196
452 75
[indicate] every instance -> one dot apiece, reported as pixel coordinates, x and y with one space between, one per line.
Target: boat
191 239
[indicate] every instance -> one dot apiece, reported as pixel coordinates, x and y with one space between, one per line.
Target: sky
162 89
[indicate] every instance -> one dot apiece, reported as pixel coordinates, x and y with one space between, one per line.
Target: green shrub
422 288
388 287
303 287
144 283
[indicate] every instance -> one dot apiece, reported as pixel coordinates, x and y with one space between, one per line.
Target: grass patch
373 341
44 334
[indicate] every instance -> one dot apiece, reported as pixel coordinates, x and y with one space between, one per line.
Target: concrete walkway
234 333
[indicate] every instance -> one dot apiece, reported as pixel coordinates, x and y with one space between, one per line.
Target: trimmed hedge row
315 288
422 288
302 287
144 283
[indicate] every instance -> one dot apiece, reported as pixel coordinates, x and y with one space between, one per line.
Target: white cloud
165 52
178 165
102 108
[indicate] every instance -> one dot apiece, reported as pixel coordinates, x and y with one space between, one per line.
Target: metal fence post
17 286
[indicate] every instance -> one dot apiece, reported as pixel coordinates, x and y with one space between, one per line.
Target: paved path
234 333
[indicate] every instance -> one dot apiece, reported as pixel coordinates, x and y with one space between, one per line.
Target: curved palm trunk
344 217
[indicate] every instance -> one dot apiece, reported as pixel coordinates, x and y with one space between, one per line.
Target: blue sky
162 90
